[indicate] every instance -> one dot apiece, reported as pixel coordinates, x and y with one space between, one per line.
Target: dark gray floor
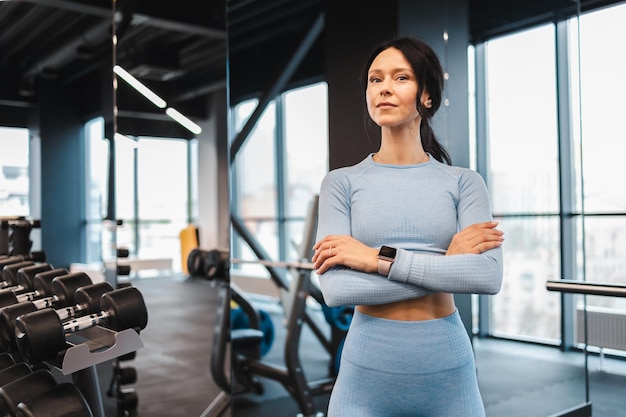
173 367
516 379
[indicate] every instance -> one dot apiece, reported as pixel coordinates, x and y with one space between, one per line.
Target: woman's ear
428 103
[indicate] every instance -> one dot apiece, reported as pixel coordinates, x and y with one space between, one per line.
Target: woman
398 234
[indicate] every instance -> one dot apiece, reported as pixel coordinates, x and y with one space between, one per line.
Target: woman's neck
400 148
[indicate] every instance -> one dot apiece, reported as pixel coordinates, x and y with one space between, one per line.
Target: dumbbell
73 298
9 272
40 335
6 360
39 256
64 400
61 294
13 259
22 280
24 388
39 286
14 372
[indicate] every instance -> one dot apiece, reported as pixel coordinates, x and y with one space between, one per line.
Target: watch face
387 252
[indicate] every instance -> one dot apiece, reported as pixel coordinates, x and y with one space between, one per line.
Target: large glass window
96 182
602 253
289 141
554 141
152 187
14 177
306 137
524 179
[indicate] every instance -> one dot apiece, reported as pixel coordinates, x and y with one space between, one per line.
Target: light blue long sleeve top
416 209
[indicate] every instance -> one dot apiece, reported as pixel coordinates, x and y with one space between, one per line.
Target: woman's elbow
329 293
494 287
495 283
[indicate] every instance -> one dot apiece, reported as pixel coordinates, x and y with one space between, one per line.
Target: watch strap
384 266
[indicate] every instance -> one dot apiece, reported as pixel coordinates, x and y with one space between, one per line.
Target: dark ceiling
181 51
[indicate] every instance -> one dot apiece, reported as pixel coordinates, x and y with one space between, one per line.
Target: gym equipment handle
587 288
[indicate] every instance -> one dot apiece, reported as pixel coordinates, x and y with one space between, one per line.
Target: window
306 143
555 143
602 248
14 173
523 179
152 196
289 141
96 182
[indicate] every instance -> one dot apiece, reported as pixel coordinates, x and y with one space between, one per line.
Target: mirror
171 168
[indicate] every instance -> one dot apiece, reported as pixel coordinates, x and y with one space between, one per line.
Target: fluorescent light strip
183 120
137 85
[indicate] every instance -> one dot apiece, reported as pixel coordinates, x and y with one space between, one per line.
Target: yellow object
188 241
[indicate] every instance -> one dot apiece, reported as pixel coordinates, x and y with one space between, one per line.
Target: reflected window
290 142
14 172
306 137
96 183
153 196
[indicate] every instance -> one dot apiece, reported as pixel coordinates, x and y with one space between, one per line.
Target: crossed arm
347 268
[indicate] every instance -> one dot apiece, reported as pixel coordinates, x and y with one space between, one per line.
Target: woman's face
392 90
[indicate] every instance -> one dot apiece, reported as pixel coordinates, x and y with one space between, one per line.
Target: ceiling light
183 120
137 85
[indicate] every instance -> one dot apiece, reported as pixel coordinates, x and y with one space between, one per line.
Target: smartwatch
386 256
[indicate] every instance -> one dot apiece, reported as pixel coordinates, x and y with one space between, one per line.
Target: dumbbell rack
89 348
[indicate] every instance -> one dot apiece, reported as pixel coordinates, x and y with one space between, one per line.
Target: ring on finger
330 248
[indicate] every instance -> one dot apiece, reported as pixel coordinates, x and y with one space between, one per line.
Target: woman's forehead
390 58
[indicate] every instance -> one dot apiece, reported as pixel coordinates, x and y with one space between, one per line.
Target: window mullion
281 179
566 179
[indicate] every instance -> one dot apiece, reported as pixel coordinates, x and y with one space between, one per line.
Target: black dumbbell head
7 297
26 276
90 296
6 360
43 280
39 335
126 375
38 256
9 272
65 400
127 308
13 372
9 260
128 400
65 286
8 316
24 388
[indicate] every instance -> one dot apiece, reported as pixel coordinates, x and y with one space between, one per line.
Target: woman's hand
344 250
477 238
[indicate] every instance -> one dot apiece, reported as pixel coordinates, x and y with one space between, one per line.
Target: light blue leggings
393 368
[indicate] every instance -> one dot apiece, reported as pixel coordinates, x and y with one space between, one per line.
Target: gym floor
173 368
517 379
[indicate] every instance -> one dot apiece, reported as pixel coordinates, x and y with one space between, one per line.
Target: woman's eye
374 80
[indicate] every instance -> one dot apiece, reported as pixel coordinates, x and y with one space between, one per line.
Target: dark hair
430 78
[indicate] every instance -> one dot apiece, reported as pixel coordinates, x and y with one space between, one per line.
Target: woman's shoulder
455 170
351 170
462 175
